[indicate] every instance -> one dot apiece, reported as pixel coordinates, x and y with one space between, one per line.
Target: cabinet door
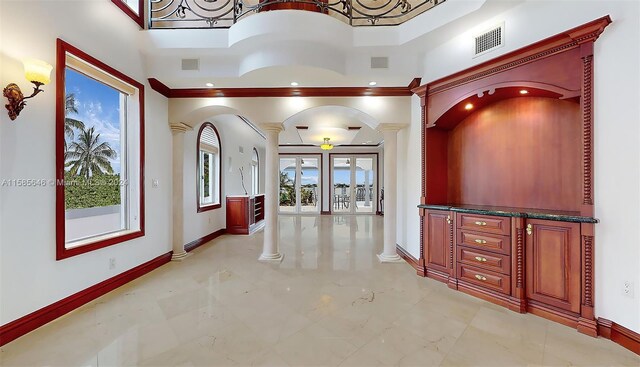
237 215
553 263
438 240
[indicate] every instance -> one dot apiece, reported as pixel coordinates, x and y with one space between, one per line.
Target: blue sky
340 175
98 106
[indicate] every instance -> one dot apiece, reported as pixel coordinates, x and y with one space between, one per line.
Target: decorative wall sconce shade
326 145
37 72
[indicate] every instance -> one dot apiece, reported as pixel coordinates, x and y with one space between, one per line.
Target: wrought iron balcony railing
225 13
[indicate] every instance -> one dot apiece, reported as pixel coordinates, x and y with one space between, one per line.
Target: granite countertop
559 215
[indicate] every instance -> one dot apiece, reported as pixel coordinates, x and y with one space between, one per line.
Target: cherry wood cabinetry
553 256
438 242
509 134
244 214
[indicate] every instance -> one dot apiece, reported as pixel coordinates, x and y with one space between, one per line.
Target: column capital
272 126
179 127
391 127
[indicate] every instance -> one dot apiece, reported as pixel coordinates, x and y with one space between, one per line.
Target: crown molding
163 89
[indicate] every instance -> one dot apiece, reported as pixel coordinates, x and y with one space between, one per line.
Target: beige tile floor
328 303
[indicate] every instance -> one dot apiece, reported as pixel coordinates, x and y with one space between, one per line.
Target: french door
300 184
354 183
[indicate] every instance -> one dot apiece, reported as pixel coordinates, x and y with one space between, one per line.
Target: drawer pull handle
481 259
482 242
480 277
448 219
529 229
478 223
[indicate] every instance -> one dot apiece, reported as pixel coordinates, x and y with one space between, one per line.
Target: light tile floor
328 303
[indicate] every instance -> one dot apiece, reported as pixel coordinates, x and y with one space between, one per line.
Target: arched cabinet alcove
507 179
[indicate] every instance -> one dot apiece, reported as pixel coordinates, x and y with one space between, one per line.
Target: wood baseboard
325 212
202 240
619 334
34 320
407 257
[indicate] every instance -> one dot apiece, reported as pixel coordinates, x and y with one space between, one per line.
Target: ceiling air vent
379 63
489 40
191 64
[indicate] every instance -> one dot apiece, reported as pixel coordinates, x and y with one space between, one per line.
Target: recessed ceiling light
372 83
524 91
294 84
364 143
209 85
468 106
288 143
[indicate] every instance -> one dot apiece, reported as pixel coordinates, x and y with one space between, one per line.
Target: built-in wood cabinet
507 179
553 263
438 241
245 214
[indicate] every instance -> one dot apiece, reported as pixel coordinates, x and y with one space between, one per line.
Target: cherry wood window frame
204 208
62 48
138 18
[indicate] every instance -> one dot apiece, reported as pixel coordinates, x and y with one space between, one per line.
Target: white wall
31 278
617 152
233 134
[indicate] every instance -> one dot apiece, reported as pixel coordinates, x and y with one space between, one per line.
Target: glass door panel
310 185
354 184
365 190
341 191
288 197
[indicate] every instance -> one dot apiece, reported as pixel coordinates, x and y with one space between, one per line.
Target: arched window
209 168
255 173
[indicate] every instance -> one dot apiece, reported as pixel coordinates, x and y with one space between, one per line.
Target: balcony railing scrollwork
225 13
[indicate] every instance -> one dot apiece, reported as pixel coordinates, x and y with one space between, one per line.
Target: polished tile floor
328 303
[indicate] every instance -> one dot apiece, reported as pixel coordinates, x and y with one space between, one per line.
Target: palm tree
69 123
88 156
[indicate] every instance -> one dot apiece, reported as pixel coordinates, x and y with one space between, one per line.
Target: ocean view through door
300 184
354 184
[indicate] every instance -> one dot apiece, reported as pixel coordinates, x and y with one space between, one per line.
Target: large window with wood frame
209 168
99 154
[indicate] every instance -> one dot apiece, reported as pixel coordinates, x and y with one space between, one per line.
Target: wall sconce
37 72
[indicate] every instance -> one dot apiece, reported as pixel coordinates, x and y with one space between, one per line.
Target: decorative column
270 250
177 130
390 134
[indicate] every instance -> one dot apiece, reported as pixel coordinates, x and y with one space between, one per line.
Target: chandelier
326 145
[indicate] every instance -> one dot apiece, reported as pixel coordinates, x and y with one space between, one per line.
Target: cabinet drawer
484 223
485 278
501 244
485 260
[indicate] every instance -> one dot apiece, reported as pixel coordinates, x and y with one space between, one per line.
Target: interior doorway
354 183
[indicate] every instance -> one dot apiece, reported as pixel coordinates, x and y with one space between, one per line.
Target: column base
390 258
180 256
271 258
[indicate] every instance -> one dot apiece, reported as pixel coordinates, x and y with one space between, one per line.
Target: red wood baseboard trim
407 256
619 334
201 241
34 320
325 212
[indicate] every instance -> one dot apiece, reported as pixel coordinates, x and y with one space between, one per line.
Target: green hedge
99 190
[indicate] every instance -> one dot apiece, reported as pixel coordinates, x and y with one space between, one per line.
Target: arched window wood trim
203 207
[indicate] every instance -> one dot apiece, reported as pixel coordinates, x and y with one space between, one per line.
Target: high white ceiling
273 49
311 126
